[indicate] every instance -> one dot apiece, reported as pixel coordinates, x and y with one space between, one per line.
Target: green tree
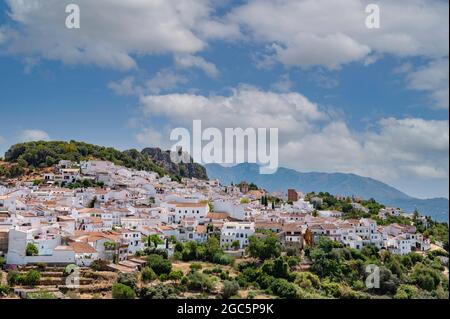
31 250
236 244
283 289
148 274
426 277
176 275
128 279
159 265
154 240
121 291
265 248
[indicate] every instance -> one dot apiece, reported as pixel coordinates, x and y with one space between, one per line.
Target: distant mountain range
334 183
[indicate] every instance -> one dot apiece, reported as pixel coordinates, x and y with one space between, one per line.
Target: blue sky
345 99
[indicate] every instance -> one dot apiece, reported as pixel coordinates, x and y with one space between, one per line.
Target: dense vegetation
335 272
339 272
28 156
45 154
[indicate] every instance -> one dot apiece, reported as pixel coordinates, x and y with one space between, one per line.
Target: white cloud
324 80
245 107
298 32
112 31
313 140
33 135
190 61
333 33
284 84
125 86
432 78
150 137
164 80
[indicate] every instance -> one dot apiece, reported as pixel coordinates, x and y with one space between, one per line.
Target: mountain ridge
335 183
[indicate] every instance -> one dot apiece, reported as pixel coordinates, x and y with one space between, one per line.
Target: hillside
335 183
25 156
162 159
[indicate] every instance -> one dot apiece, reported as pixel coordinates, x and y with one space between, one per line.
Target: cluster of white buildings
110 223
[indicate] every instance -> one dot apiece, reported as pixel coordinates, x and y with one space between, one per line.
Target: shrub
2 262
159 264
176 275
148 274
121 291
291 252
307 280
99 265
13 278
32 278
31 250
199 282
4 290
164 277
129 280
283 289
195 267
388 282
293 262
162 291
277 268
406 292
222 259
252 295
154 251
425 277
41 295
230 288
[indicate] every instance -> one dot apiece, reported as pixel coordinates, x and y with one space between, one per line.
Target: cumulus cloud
190 61
151 137
245 107
333 33
112 32
33 135
297 32
126 86
432 78
313 140
162 81
284 84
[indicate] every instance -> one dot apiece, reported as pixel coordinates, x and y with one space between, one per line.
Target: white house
236 231
235 210
85 254
198 211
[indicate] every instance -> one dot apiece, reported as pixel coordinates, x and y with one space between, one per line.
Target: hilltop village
95 214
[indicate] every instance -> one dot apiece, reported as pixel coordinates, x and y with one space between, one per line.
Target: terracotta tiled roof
82 248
